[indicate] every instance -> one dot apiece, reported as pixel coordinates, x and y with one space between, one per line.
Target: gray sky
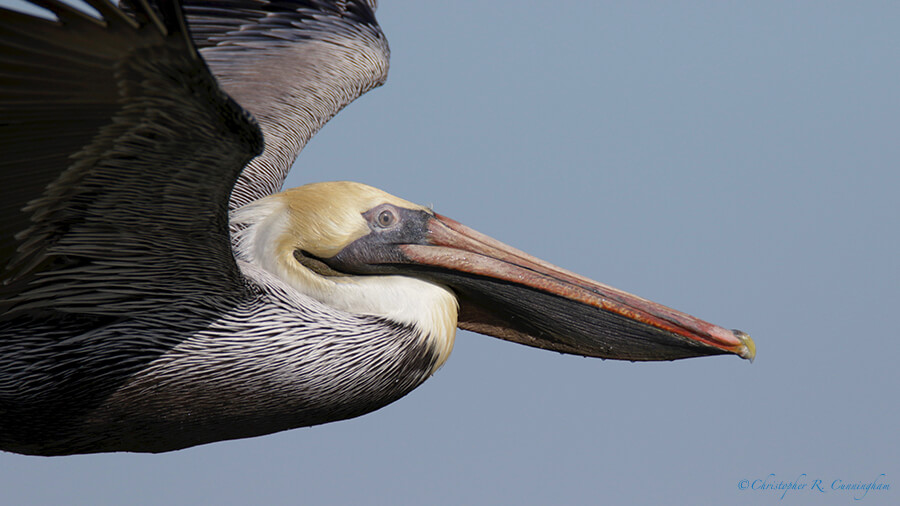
735 160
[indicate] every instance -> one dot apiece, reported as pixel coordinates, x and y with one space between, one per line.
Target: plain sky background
735 160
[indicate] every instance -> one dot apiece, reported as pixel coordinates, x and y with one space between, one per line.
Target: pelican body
157 293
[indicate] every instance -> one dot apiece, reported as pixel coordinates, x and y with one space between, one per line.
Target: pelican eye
386 217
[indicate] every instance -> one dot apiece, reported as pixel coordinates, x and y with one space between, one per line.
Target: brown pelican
157 293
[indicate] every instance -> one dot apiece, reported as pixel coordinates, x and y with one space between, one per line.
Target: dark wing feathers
293 64
119 152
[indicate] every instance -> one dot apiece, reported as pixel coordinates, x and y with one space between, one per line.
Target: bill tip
747 349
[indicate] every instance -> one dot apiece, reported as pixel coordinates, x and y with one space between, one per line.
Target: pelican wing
293 64
119 151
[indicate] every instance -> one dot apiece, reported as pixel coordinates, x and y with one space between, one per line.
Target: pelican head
362 250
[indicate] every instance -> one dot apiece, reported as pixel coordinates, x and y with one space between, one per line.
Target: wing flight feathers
119 154
293 64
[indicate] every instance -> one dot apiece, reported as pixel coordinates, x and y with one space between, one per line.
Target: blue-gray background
735 160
